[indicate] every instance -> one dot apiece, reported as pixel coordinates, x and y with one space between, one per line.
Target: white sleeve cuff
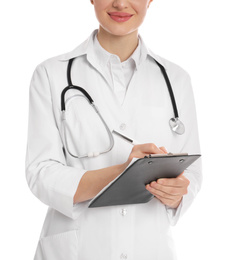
55 185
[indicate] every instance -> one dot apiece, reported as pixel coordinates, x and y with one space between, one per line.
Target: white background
202 37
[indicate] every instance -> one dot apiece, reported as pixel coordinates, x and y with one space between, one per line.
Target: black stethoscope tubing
176 125
71 86
170 90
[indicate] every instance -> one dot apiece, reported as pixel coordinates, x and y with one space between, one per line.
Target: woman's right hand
142 150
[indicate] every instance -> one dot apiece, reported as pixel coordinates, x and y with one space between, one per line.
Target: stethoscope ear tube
170 90
71 86
69 72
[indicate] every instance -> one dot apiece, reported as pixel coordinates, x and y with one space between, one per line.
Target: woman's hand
142 150
169 191
93 181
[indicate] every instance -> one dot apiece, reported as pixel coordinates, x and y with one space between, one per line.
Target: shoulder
61 60
52 62
179 78
174 71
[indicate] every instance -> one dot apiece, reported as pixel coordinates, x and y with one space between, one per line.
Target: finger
141 150
164 196
170 190
180 181
160 193
161 152
162 148
180 175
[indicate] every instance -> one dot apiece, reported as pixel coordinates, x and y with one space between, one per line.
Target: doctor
120 73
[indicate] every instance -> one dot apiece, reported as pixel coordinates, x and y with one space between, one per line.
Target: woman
120 73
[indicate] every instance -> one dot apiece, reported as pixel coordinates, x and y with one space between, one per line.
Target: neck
122 46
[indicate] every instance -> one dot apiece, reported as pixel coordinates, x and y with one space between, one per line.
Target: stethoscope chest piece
177 126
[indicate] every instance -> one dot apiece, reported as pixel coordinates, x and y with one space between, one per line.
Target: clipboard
129 186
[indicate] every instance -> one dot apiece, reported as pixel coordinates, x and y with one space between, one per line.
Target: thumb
180 175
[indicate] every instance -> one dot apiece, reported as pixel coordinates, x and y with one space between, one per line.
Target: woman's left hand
169 191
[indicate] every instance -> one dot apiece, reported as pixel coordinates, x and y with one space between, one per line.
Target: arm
170 191
93 181
49 177
47 174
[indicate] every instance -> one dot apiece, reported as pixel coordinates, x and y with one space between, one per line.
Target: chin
119 30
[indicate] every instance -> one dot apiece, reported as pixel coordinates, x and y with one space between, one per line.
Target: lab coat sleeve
189 144
47 175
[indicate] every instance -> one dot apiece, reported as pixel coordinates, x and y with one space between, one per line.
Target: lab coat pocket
60 246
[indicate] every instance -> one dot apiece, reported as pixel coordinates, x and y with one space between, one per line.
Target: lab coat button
123 126
123 256
123 212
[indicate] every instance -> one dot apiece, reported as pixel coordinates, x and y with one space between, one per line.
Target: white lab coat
75 232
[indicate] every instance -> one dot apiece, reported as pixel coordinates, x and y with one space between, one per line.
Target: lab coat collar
84 47
104 57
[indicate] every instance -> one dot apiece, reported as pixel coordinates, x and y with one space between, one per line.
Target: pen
133 142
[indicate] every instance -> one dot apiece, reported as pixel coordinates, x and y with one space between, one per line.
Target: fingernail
160 181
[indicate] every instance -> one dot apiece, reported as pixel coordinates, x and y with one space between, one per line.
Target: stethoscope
175 124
